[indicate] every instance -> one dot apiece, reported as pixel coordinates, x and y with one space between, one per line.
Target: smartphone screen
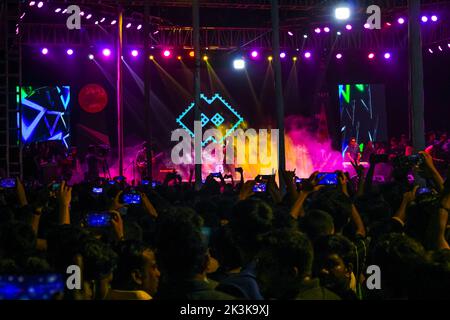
132 198
215 174
259 187
329 178
423 191
97 190
56 186
145 182
98 220
298 180
8 183
34 287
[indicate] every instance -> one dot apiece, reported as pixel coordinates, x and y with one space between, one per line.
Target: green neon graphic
346 93
361 147
360 87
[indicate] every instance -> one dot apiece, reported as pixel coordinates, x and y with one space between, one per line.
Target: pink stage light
128 25
339 56
387 55
434 18
290 33
167 53
371 55
317 30
307 54
430 50
282 55
348 27
326 29
401 20
40 4
134 53
139 27
254 54
366 25
57 10
32 3
424 18
69 52
113 22
44 51
89 16
106 52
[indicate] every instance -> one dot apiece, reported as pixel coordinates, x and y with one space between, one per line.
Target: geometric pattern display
219 111
45 113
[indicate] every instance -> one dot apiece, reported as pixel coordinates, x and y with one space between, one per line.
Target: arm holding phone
309 186
64 198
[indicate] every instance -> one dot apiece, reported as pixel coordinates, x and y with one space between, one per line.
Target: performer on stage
352 152
141 160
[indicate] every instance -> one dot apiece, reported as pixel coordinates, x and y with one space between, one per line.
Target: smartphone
298 180
423 191
215 174
259 187
111 182
56 186
97 190
119 178
132 198
206 232
30 287
155 183
329 178
8 183
98 220
145 182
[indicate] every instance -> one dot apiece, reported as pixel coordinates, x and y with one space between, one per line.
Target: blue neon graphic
217 119
51 120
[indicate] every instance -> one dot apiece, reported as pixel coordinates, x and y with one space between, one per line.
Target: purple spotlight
339 56
167 53
44 51
434 18
431 51
290 33
57 10
69 52
424 18
40 4
134 53
139 27
106 52
440 48
371 55
32 3
89 16
282 55
113 22
82 13
317 30
348 27
64 11
96 22
387 55
103 19
128 25
307 54
366 25
448 45
401 20
326 29
254 54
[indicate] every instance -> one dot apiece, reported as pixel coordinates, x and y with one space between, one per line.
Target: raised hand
247 190
117 224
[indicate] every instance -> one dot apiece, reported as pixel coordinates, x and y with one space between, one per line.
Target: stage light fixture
139 27
305 36
96 22
179 57
294 59
166 53
348 27
317 30
282 55
151 57
44 51
434 18
91 56
401 20
205 58
326 29
134 53
270 58
388 24
40 4
366 26
448 45
290 33
57 10
69 52
89 16
103 19
113 22
32 3
430 50
339 56
128 25
307 55
371 55
387 55
239 64
191 54
23 15
254 54
440 48
106 52
424 18
342 13
82 13
338 33
64 11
